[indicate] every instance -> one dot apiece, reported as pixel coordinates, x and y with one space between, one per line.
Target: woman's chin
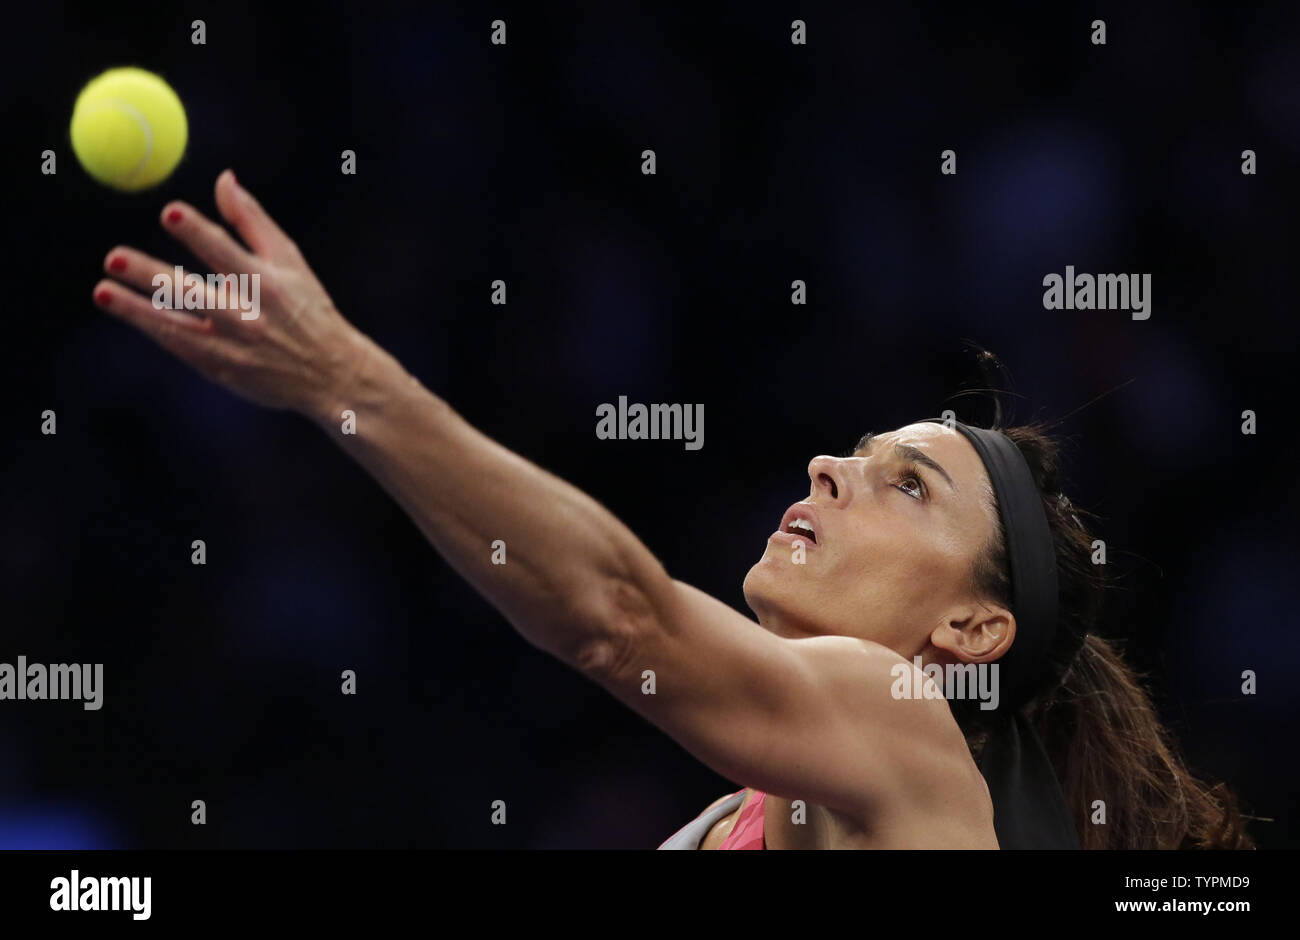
768 596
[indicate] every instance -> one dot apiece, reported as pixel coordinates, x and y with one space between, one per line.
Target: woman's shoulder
722 799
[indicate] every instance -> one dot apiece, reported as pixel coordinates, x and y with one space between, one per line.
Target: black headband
1029 809
1031 557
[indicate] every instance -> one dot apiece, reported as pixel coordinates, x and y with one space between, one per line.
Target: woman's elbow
620 620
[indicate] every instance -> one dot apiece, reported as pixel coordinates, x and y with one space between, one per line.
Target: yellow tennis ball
128 129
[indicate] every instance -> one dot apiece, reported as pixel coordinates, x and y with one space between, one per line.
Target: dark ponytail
1095 718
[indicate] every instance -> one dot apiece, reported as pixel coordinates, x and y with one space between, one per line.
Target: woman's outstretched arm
809 718
570 563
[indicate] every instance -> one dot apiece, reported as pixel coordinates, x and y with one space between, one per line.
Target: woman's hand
295 350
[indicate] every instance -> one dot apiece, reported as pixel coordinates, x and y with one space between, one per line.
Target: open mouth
800 524
802 528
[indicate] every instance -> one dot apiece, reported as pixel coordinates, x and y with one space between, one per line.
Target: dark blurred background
522 162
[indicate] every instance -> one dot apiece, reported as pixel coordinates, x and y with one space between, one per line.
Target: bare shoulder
718 802
910 740
879 680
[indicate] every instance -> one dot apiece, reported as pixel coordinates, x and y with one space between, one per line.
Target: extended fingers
245 213
139 270
220 299
173 329
208 240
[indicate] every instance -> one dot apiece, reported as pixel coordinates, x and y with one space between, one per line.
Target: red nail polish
117 264
103 296
174 216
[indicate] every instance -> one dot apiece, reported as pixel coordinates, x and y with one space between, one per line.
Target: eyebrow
910 453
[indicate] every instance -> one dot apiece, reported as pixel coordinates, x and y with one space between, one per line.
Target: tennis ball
128 129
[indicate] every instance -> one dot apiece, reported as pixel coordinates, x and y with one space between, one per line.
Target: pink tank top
747 833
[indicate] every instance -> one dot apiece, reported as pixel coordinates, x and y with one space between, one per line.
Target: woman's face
895 531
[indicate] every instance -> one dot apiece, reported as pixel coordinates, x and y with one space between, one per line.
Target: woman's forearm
574 580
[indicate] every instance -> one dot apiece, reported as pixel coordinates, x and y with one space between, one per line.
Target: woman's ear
976 634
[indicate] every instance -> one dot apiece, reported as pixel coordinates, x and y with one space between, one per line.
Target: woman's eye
911 486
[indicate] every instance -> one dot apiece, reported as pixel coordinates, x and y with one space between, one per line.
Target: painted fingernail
103 296
174 216
117 264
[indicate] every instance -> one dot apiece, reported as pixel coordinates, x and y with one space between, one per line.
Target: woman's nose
828 477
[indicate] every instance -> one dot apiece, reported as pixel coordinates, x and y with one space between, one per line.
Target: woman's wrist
362 377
